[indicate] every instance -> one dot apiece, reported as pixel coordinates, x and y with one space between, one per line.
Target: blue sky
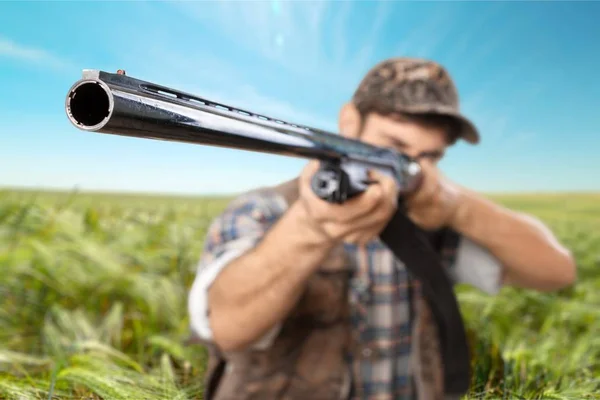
527 75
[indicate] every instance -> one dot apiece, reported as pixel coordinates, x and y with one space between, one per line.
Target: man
297 298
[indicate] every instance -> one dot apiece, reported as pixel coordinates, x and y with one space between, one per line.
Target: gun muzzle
89 104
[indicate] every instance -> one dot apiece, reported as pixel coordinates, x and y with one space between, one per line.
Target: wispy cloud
502 125
29 54
184 74
365 54
425 38
170 62
249 98
291 35
468 43
338 32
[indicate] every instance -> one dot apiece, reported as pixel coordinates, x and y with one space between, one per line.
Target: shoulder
262 204
245 218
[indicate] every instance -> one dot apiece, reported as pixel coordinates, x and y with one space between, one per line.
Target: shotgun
118 104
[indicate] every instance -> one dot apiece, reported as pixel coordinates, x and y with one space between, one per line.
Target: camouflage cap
413 86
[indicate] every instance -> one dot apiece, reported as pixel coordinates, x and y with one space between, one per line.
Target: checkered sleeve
238 229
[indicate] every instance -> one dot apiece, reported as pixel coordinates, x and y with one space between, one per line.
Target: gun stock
118 104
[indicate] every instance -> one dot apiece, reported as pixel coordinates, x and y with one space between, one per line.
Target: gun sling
410 245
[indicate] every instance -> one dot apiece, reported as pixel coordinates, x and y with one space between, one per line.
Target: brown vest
306 359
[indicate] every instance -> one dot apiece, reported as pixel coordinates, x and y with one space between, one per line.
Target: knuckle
352 238
388 181
384 214
386 207
374 196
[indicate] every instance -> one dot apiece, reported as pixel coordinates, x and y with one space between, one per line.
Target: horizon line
134 193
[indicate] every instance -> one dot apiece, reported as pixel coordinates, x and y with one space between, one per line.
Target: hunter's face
426 144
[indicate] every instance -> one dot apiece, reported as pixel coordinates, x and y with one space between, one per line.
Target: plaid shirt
381 294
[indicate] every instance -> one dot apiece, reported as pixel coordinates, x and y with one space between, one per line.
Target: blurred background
100 235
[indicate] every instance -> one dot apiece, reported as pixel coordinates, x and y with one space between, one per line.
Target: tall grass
93 302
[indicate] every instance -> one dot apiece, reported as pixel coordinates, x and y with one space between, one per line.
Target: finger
366 203
382 178
355 230
365 235
388 184
308 171
363 205
312 166
391 193
353 238
350 233
317 206
360 238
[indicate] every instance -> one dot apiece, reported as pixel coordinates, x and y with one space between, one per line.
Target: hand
435 202
357 220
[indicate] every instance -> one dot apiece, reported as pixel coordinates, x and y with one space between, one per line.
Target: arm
530 254
255 290
206 274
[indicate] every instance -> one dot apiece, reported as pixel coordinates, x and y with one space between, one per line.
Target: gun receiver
117 104
120 105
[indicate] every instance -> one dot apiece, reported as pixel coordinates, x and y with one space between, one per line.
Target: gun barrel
116 104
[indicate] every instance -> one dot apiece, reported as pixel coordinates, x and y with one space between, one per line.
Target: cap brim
468 131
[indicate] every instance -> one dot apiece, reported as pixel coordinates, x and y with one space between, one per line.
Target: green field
93 297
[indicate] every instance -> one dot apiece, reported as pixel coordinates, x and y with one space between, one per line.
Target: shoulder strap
410 244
